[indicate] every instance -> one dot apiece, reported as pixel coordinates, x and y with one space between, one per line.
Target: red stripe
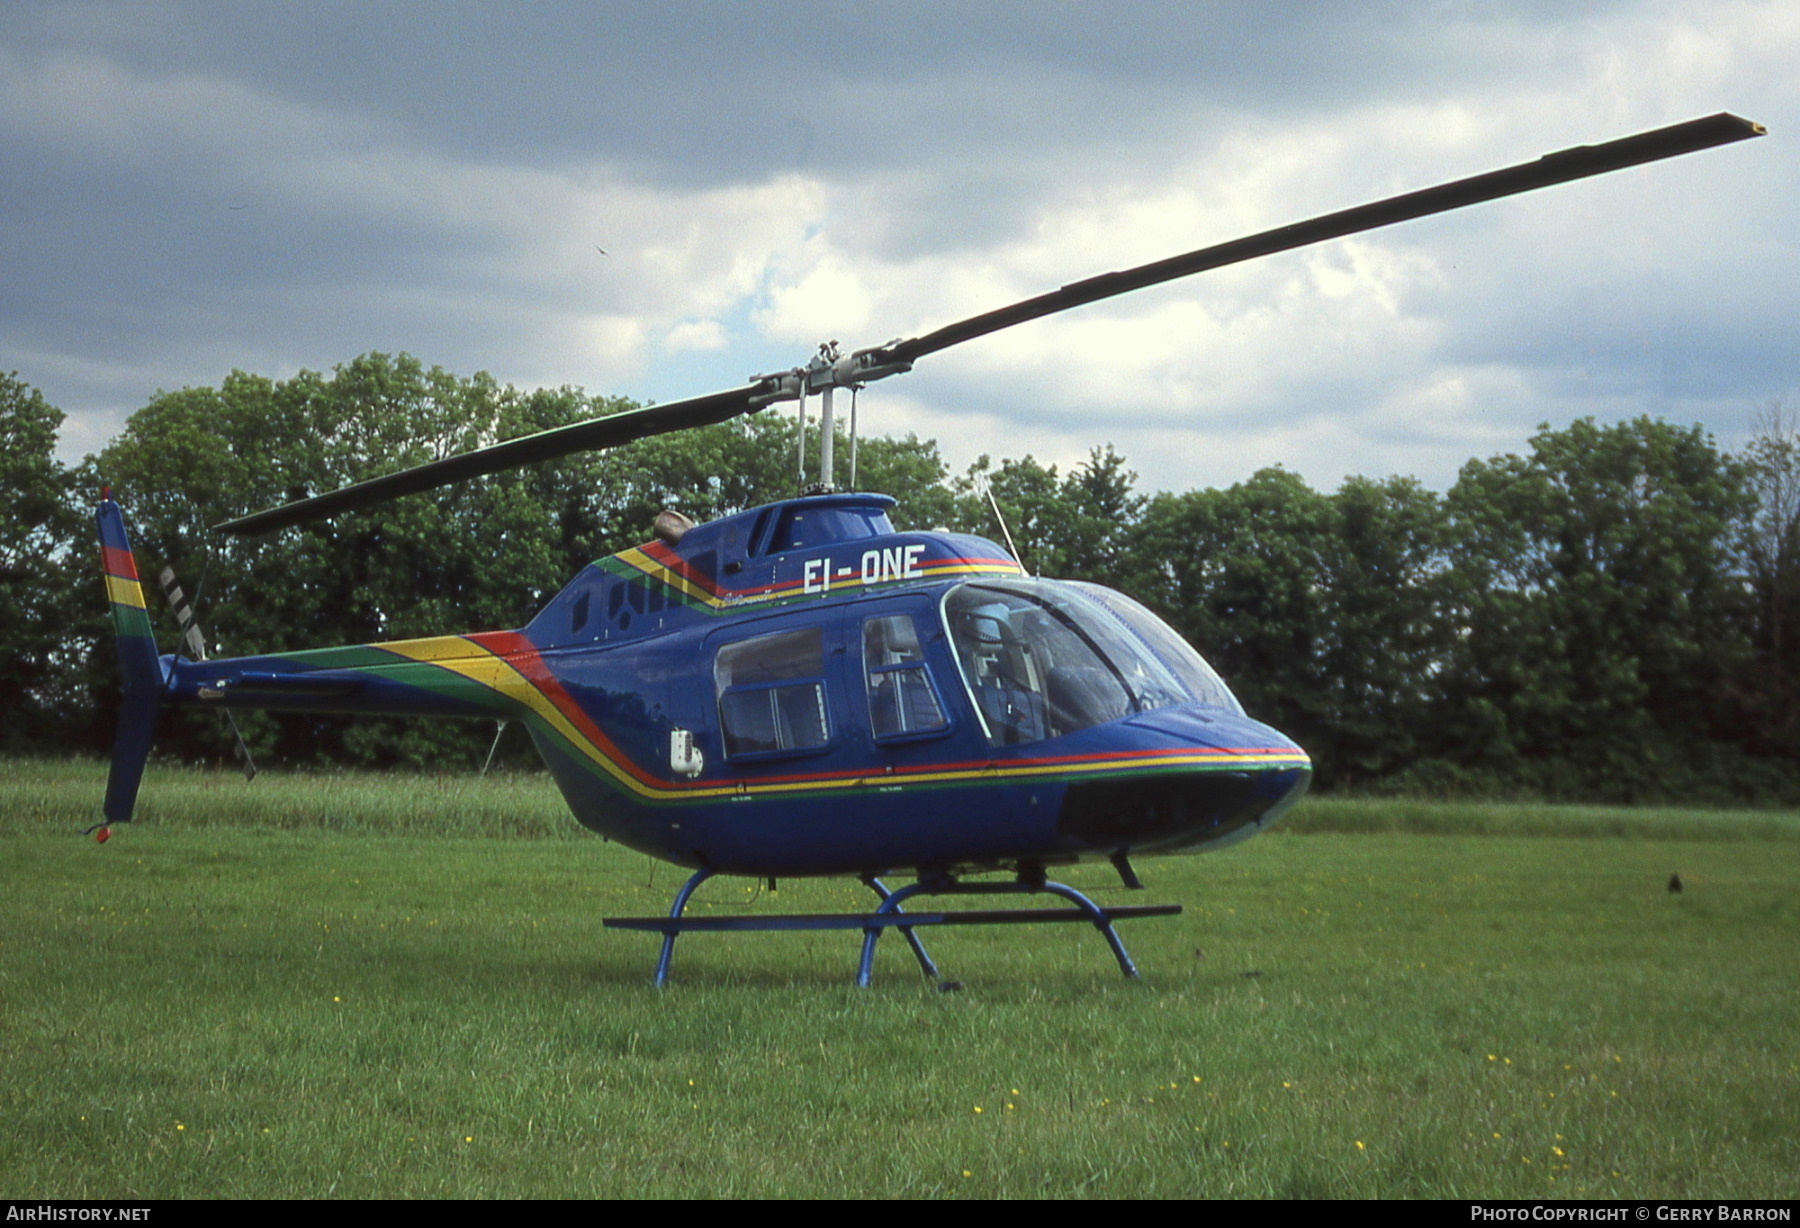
680 566
522 655
1004 564
119 563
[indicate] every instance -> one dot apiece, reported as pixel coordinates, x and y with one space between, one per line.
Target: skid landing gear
890 915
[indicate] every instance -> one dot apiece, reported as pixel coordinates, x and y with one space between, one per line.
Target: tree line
1613 615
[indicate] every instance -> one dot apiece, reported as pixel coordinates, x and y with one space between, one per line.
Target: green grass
38 795
1465 818
358 986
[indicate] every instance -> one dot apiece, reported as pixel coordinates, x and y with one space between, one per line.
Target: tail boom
481 676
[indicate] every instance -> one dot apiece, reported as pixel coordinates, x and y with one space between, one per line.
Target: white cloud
828 299
692 335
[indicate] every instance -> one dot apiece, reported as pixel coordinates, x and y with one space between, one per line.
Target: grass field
361 986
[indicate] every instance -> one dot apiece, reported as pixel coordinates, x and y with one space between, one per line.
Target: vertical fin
139 667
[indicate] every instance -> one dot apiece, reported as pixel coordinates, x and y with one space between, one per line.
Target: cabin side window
771 693
903 702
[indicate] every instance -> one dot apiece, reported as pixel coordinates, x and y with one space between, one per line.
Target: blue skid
889 916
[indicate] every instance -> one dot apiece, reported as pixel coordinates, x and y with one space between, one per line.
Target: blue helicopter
799 689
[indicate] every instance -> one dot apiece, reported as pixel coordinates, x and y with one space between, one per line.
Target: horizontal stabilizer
325 686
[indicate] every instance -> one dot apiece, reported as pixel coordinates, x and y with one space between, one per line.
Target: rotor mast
827 371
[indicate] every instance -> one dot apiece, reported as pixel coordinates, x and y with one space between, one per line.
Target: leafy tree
1029 500
477 556
1773 546
1386 634
1070 528
1615 614
1324 612
1595 586
910 469
44 631
1242 574
1102 507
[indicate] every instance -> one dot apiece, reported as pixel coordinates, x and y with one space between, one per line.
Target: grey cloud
699 92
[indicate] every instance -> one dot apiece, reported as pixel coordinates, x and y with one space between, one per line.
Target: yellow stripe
674 579
1025 771
973 569
485 668
434 649
125 592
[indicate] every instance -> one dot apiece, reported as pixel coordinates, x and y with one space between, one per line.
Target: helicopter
799 689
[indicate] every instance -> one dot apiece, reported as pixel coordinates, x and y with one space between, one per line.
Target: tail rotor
195 641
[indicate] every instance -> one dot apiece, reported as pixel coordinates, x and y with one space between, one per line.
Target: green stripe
130 621
351 656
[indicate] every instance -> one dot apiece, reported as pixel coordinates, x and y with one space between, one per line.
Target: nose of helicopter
1209 778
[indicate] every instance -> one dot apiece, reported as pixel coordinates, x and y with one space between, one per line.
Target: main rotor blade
596 433
1561 167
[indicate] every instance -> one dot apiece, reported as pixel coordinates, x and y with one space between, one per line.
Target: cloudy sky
190 188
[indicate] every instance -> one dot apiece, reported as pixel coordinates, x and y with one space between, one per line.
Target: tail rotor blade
184 614
196 643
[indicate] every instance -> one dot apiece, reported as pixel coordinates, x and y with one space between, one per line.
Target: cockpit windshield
1166 644
1046 659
